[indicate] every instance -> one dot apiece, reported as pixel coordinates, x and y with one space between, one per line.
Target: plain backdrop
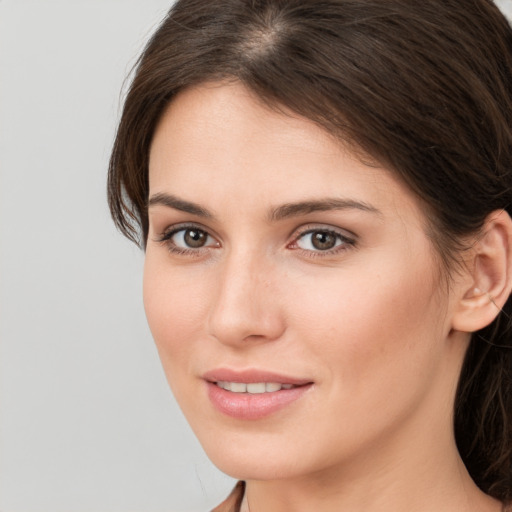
87 422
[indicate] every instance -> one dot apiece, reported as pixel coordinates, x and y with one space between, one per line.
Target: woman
322 190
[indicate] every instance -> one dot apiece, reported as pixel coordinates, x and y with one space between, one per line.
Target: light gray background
86 420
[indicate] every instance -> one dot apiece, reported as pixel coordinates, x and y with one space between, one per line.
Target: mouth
253 395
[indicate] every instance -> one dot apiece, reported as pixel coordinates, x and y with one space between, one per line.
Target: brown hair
425 88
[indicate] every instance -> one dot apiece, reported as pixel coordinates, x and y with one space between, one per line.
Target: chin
251 457
260 456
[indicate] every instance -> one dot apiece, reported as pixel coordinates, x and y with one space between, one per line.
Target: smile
253 394
253 388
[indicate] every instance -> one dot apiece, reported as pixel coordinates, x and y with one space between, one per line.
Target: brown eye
319 240
183 239
323 240
194 238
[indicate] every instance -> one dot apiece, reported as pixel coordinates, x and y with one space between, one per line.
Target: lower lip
247 406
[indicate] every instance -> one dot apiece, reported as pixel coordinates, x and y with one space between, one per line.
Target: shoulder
233 501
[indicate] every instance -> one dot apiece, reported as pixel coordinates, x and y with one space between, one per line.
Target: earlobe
490 273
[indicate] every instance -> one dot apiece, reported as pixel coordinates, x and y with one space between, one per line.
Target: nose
246 306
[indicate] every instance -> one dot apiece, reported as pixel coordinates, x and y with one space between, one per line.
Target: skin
370 322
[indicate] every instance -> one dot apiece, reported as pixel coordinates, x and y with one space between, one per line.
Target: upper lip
251 376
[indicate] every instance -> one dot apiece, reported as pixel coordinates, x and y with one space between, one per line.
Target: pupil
323 240
195 238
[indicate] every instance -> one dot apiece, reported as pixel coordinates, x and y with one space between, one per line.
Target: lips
253 394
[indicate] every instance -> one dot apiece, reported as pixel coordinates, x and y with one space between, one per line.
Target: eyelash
343 241
166 239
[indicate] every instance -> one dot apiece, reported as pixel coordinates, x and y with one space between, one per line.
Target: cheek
176 304
375 326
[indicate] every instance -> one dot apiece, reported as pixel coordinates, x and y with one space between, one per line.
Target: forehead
228 119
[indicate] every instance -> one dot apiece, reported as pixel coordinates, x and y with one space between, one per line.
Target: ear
489 282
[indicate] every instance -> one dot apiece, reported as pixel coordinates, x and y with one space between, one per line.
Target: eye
322 240
318 241
188 239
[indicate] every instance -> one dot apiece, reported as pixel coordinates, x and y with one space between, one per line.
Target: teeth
238 387
254 388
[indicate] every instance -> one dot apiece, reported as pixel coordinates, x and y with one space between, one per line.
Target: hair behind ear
483 407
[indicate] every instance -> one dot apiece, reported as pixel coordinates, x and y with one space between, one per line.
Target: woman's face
292 292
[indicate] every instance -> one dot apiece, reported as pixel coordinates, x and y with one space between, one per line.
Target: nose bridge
246 304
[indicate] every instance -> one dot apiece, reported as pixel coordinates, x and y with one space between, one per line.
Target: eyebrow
179 204
282 212
288 210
